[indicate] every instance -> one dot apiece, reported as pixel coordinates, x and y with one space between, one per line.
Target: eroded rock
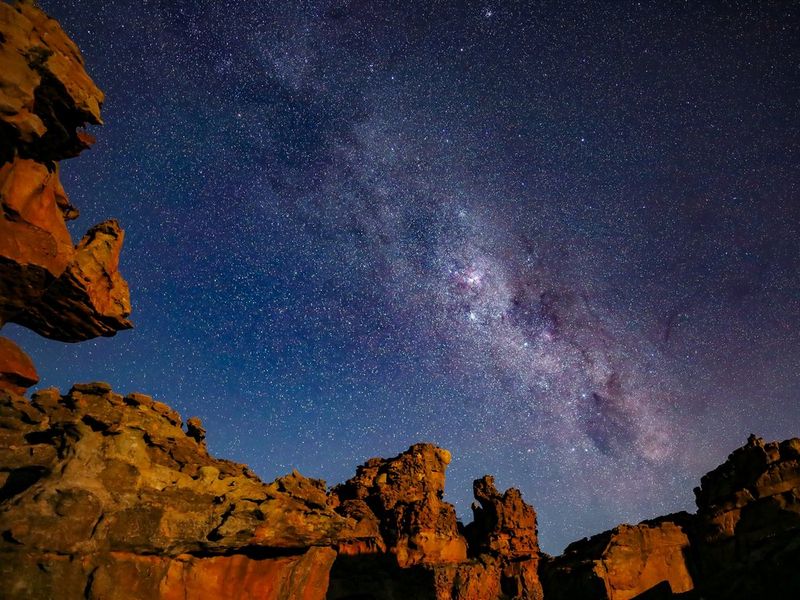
401 498
17 372
747 533
46 96
90 298
624 563
115 484
61 291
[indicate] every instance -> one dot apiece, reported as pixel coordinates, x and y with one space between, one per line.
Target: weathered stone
46 94
119 478
60 291
35 246
747 533
17 372
403 496
90 298
502 524
623 563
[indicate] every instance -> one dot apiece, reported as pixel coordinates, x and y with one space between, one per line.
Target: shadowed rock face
61 291
503 524
90 298
747 533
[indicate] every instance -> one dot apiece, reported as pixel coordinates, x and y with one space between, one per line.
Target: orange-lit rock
17 372
108 480
35 246
624 563
45 93
90 298
61 291
503 524
401 498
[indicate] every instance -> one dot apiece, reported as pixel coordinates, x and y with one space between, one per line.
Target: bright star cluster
560 239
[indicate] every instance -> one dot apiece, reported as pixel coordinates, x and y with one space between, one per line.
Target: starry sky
559 239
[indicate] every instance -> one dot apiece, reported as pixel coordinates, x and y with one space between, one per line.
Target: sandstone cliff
59 290
105 496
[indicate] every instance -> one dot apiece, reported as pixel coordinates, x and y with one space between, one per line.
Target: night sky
559 239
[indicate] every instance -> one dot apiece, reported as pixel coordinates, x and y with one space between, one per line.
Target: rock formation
47 284
17 372
747 531
401 499
624 563
104 496
403 523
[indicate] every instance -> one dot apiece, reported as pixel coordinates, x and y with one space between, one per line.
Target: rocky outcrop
626 562
410 543
743 542
17 372
747 531
90 298
400 499
503 525
46 93
59 290
105 496
101 495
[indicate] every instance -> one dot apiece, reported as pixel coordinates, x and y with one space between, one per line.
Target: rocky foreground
105 496
112 497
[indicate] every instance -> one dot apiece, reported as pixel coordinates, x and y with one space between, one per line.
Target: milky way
561 241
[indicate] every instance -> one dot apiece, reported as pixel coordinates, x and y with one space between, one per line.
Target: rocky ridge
110 496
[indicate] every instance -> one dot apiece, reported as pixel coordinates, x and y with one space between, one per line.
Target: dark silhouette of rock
747 531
